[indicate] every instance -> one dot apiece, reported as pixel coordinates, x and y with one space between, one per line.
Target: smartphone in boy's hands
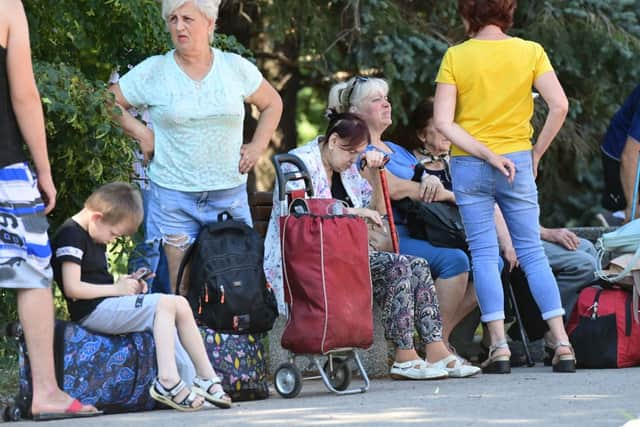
142 274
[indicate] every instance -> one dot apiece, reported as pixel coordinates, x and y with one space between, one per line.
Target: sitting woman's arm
374 160
430 189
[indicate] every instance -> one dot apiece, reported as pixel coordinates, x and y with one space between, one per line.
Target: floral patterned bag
239 360
111 372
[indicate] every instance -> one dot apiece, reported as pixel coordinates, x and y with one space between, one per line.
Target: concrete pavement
528 397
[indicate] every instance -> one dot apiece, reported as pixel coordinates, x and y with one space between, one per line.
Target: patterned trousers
403 287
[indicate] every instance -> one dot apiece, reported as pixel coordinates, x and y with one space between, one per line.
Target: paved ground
528 397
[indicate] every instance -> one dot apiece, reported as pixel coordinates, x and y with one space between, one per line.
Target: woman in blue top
449 267
195 95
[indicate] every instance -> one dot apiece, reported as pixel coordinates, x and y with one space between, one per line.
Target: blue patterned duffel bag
111 372
239 360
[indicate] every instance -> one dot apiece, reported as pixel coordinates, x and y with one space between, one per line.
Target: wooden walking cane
387 205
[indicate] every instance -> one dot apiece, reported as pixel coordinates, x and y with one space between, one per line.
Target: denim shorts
184 213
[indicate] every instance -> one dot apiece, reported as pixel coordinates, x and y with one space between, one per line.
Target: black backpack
228 291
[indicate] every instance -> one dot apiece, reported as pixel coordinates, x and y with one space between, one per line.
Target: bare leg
191 339
496 335
437 350
175 248
163 327
556 327
192 342
35 311
456 301
406 355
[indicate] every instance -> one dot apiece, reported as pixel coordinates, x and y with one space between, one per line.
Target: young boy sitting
101 305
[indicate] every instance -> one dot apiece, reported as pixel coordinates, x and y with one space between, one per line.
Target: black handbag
437 222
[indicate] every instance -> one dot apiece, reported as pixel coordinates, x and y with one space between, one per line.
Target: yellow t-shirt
494 80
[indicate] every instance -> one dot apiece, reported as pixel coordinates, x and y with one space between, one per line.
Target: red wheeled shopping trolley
327 285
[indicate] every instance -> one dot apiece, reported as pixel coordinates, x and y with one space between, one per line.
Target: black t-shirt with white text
73 244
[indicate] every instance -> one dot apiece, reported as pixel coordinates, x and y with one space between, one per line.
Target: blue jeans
478 186
175 213
150 255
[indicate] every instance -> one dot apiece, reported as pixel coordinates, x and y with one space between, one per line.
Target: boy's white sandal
218 398
416 370
166 395
458 370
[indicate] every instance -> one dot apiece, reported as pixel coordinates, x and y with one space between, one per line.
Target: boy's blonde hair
118 202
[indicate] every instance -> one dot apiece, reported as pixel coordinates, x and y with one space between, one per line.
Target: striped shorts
24 243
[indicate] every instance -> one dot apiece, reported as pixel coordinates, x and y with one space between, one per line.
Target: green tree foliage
77 45
594 46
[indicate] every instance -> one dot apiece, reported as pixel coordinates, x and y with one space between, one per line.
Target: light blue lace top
197 124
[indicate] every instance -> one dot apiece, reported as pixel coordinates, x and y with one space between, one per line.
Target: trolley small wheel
287 380
340 377
12 413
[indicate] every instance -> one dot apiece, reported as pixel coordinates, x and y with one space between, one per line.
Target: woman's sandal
497 364
549 352
563 362
416 370
219 398
166 396
458 370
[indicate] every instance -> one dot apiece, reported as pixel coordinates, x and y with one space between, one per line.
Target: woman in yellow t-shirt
483 105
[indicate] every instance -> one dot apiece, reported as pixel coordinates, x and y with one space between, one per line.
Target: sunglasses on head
356 80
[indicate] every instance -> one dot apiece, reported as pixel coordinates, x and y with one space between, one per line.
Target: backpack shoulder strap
183 265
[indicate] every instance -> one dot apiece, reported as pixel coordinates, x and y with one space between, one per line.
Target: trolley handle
283 177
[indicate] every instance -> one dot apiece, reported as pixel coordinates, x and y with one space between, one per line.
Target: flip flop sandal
165 396
218 398
74 410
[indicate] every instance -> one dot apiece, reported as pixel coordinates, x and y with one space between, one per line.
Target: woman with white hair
195 95
449 267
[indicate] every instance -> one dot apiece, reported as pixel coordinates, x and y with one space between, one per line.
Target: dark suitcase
239 360
111 372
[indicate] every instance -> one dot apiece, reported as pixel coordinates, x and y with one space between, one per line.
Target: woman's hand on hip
249 155
504 165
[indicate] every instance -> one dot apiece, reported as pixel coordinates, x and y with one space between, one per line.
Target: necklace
182 65
431 158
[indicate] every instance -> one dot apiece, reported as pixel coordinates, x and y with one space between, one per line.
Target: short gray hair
348 96
209 8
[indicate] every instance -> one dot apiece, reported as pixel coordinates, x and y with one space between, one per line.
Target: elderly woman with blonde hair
368 97
195 95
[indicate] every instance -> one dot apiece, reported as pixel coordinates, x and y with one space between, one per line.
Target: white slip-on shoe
458 370
416 370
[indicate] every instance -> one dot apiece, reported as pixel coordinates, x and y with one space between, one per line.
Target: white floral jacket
358 189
